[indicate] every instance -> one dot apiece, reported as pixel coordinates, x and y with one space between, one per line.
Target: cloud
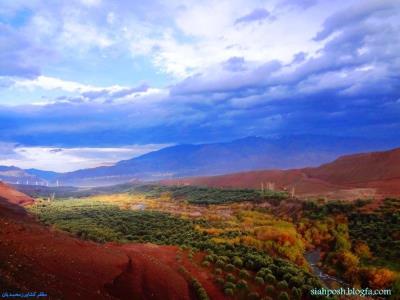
177 38
258 14
16 52
199 39
81 92
51 83
235 64
70 159
300 3
355 14
354 60
320 67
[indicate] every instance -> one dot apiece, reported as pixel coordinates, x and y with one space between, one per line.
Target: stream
313 258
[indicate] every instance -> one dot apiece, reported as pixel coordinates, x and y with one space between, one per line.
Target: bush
209 258
249 264
229 267
220 263
219 280
283 284
229 292
296 281
296 293
230 277
283 296
270 278
253 296
199 290
306 288
229 285
259 280
218 271
244 274
242 284
287 277
270 289
205 263
265 271
237 261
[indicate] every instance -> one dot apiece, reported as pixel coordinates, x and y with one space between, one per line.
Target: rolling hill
13 174
352 176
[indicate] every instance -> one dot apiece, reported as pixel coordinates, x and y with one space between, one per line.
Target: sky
90 82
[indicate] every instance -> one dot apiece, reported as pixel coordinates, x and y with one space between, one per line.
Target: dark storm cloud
350 87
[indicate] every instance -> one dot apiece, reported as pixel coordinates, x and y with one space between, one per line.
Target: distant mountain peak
184 160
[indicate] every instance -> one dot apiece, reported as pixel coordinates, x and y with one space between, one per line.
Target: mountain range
363 175
188 160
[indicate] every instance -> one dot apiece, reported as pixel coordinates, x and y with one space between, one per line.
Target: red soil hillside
360 168
352 176
254 179
34 258
14 196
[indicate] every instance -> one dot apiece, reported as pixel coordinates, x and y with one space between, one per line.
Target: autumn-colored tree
362 250
346 262
377 278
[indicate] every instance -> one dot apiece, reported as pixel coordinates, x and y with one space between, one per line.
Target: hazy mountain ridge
17 175
361 175
186 160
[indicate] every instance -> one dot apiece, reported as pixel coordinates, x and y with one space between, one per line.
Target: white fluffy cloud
117 72
70 159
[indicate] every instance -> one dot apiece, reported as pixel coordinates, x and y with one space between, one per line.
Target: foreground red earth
34 258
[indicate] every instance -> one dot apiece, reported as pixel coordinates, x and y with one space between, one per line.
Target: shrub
242 284
218 271
296 293
224 258
287 277
237 261
283 284
244 274
205 263
253 296
199 290
229 267
209 258
264 271
219 280
259 280
270 278
219 263
269 289
230 277
249 264
296 281
229 292
283 296
230 285
306 288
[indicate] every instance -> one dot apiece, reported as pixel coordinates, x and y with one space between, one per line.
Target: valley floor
194 243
